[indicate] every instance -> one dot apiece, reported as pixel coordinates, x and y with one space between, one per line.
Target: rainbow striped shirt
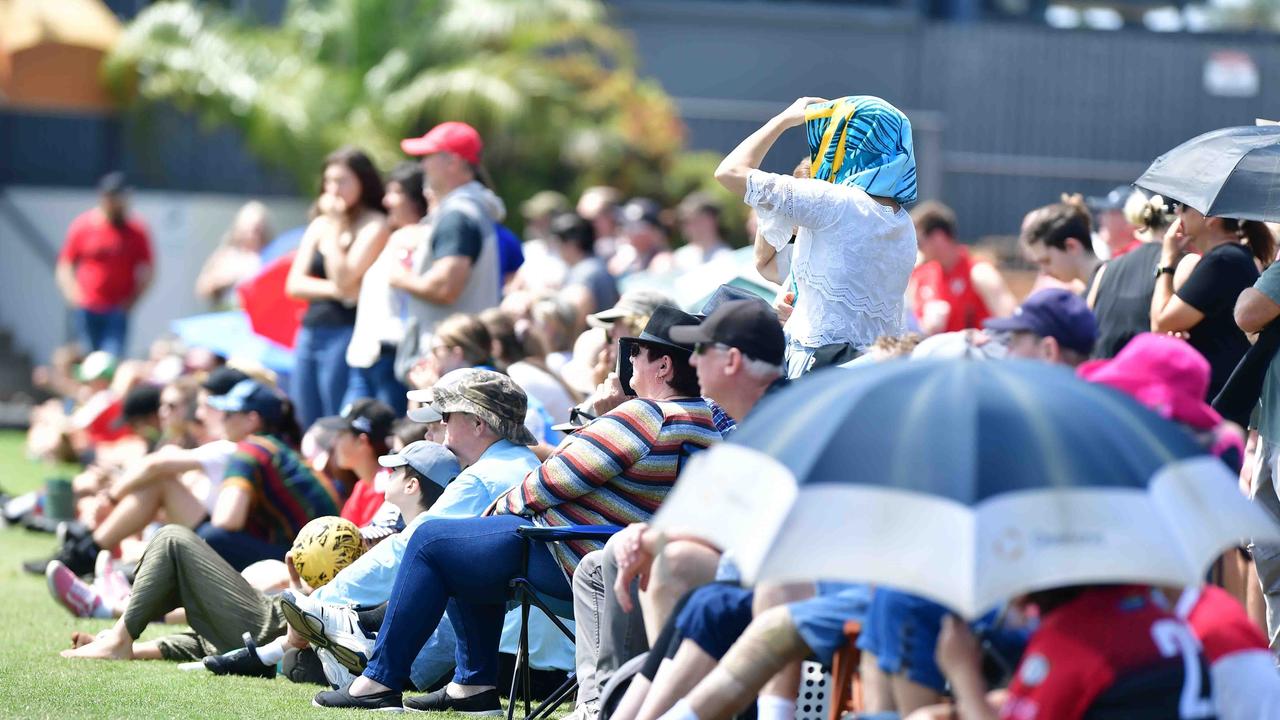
615 471
285 493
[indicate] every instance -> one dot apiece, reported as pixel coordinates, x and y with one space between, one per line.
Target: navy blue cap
250 396
1056 313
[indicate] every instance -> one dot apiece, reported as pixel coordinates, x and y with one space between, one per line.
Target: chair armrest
569 532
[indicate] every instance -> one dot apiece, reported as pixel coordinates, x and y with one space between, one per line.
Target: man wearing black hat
738 353
104 267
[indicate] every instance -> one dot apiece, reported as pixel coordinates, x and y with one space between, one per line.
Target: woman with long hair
380 312
344 238
1196 293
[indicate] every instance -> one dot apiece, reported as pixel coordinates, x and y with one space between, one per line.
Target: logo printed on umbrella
1009 545
1042 539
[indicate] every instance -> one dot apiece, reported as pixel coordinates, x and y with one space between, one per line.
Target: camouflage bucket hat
490 396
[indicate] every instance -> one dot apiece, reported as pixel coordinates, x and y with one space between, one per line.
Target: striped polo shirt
285 493
615 471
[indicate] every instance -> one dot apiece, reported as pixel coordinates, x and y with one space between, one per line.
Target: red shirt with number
1111 653
106 259
953 286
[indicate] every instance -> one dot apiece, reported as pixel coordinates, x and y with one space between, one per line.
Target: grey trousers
1266 485
178 569
605 636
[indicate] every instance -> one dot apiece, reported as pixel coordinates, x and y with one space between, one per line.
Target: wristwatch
1164 270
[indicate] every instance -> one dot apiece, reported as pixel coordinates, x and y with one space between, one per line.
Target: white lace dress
853 257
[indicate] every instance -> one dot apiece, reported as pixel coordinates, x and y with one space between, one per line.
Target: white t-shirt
213 458
851 262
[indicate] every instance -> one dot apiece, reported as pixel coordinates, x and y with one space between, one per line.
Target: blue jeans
104 331
240 549
466 565
320 371
379 382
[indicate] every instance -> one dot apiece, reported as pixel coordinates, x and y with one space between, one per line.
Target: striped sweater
284 492
615 471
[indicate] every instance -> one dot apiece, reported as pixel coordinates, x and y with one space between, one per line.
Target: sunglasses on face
701 348
634 351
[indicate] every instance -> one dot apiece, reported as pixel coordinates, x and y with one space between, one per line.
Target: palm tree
550 85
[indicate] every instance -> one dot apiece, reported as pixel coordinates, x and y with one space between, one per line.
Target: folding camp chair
526 595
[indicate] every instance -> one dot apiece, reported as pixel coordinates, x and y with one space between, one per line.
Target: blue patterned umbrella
964 481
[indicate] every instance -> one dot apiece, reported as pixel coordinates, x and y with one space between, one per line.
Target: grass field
36 683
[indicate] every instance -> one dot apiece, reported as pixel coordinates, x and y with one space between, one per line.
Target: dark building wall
1007 115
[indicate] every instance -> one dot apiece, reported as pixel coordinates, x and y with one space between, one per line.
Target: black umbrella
1233 172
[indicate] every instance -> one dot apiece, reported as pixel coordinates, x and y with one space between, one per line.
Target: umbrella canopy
230 335
963 481
272 313
1233 172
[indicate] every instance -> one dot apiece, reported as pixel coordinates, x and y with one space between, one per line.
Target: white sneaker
335 628
338 676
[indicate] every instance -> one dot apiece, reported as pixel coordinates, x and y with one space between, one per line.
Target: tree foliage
550 85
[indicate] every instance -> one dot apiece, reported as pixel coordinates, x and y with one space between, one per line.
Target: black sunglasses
634 350
702 347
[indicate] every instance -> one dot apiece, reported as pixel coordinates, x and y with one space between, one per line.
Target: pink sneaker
81 599
110 581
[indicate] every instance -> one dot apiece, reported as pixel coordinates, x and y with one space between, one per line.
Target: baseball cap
424 413
250 396
97 365
140 402
543 204
749 325
1056 313
431 460
490 396
643 211
221 380
458 138
368 416
1113 200
633 303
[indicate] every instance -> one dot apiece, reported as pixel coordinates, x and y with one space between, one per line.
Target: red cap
458 138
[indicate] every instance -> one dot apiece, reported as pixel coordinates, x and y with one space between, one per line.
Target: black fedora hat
657 333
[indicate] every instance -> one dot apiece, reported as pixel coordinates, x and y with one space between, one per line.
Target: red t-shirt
1218 621
953 286
363 503
106 259
1110 653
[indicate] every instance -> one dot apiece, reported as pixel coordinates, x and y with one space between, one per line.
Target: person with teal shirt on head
856 245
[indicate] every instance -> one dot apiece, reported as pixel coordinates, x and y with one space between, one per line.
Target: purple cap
1056 313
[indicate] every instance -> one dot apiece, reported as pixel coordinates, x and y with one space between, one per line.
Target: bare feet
80 639
113 644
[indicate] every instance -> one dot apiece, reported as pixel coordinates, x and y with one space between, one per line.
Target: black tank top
1123 305
326 313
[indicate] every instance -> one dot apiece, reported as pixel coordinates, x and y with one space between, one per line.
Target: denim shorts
820 620
902 632
715 617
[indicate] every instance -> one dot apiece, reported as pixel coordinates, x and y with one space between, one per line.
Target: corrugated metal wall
1007 116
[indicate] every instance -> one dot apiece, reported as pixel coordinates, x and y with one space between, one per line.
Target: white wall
185 228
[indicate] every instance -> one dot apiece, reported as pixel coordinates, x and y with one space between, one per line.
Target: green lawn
36 683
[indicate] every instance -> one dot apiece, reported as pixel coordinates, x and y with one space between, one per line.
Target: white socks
682 710
272 652
772 707
102 610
